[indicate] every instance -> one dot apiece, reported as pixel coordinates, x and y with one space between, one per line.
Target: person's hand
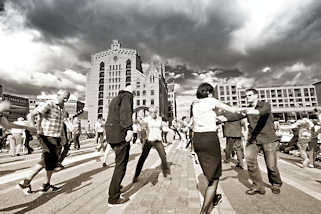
221 118
251 111
129 136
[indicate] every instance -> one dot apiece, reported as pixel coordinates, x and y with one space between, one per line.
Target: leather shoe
255 191
276 190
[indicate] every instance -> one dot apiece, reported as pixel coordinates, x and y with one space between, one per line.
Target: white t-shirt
99 126
154 128
204 116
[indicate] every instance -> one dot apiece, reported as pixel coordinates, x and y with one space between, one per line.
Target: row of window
114 73
113 87
114 67
138 103
137 93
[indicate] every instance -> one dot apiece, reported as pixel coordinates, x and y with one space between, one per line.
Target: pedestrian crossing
85 185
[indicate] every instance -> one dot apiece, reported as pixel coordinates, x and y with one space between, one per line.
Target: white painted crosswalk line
20 175
289 181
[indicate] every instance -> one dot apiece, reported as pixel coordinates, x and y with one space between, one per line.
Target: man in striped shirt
49 129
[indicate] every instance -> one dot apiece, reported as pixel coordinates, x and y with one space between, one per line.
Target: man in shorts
49 128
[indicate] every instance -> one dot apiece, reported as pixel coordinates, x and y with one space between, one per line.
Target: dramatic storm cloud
47 44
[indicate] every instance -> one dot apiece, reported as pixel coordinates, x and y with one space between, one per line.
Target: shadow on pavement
146 176
68 186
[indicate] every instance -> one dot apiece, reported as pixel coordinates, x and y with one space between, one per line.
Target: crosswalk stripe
296 185
20 175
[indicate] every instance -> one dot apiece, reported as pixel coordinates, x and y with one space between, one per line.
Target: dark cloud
168 34
195 35
12 87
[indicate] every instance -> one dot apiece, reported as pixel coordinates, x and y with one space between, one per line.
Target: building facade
112 70
172 113
287 102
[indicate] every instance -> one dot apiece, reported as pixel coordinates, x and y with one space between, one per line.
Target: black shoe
46 188
255 191
60 165
118 202
276 189
217 199
239 166
25 187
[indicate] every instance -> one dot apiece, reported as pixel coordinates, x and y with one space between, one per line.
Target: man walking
261 136
232 130
51 116
99 128
76 131
119 134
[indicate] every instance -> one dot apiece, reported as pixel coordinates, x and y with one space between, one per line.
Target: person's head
128 88
204 90
153 112
252 95
63 96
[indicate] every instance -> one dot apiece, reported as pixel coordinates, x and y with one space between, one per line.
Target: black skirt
208 150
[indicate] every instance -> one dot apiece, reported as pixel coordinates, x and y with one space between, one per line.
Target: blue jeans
270 156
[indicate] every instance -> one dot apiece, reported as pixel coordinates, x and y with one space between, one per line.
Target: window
152 92
128 63
138 93
100 102
152 101
101 81
100 95
102 66
144 93
137 84
101 74
144 102
101 87
138 102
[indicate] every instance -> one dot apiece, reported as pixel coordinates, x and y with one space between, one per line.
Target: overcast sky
47 44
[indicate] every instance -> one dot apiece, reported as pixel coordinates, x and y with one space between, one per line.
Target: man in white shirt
153 125
99 128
